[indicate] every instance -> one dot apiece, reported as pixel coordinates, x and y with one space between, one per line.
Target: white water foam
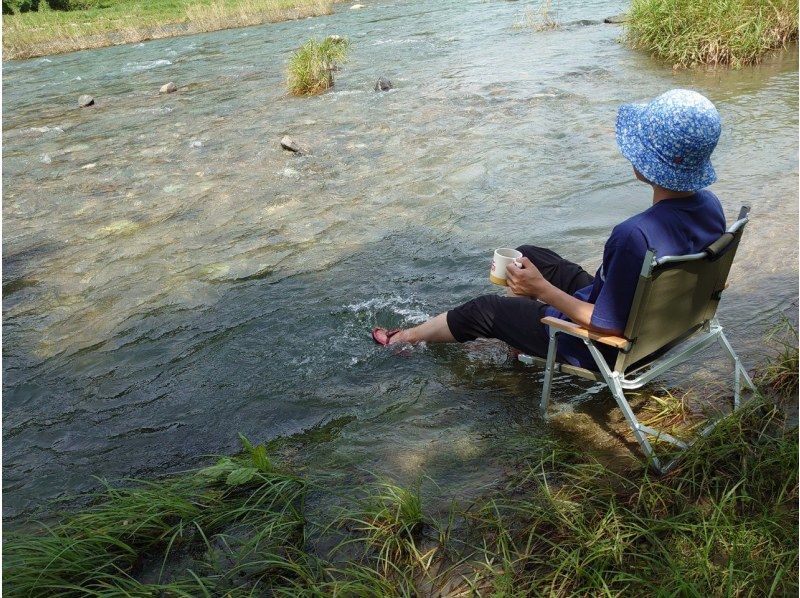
133 67
405 307
46 129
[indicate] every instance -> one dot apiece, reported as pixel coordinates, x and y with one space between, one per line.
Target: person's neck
660 194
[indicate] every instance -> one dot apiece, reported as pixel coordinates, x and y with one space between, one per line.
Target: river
172 277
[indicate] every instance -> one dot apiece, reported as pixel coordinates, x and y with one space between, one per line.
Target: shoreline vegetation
101 23
722 523
733 33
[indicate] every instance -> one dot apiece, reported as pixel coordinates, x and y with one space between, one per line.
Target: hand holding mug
523 278
502 258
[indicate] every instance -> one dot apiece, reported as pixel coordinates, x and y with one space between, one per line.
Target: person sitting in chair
669 142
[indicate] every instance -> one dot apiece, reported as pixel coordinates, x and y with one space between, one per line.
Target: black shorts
516 320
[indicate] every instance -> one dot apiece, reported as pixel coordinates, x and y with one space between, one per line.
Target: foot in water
383 337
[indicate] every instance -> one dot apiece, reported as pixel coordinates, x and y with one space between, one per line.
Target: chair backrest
677 295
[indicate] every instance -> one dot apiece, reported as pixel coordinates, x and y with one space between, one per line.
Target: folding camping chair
672 318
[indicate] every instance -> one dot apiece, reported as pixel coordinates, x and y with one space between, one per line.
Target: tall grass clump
311 67
230 525
779 374
713 32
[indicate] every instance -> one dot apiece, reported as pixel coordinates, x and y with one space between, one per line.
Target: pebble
383 84
85 100
616 19
291 145
356 6
168 88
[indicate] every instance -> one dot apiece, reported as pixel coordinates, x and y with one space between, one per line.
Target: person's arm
576 310
529 281
622 261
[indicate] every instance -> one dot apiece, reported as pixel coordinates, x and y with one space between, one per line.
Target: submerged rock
291 145
356 6
168 88
383 84
85 100
616 19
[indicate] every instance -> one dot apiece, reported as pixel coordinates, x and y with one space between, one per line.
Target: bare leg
434 330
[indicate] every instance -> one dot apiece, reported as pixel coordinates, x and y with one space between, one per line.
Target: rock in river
383 84
291 145
168 88
616 19
85 100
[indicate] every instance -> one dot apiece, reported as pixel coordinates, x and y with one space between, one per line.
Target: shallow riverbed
172 277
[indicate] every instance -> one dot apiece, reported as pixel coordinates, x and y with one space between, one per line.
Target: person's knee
527 250
485 305
474 318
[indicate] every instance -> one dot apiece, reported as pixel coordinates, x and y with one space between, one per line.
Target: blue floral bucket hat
670 139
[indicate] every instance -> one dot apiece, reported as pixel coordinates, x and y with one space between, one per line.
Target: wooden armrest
575 330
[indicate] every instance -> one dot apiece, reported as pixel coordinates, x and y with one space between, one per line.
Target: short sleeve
622 263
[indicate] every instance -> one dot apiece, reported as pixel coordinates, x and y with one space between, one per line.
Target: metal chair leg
549 371
612 379
739 372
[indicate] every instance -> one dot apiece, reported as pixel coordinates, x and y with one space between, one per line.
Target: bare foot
385 337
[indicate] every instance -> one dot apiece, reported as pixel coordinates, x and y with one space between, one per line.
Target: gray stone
291 145
168 88
616 19
85 100
383 84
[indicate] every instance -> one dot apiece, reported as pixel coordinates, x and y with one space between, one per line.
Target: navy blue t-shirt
670 227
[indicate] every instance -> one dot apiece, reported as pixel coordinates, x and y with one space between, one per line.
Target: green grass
722 523
232 522
712 32
310 69
780 372
111 22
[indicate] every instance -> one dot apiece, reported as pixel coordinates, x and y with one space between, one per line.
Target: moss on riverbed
722 523
113 22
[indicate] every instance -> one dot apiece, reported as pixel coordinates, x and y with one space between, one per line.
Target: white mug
502 258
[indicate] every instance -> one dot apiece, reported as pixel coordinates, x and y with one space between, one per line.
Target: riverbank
722 523
46 32
689 33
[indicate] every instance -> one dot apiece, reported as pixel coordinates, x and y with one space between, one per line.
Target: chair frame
618 380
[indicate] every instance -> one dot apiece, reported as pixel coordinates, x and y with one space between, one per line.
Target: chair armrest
574 330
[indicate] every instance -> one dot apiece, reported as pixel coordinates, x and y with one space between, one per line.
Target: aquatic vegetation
723 522
232 514
389 523
541 19
780 372
717 32
113 22
311 67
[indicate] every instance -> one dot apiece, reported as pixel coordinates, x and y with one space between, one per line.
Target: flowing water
171 277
